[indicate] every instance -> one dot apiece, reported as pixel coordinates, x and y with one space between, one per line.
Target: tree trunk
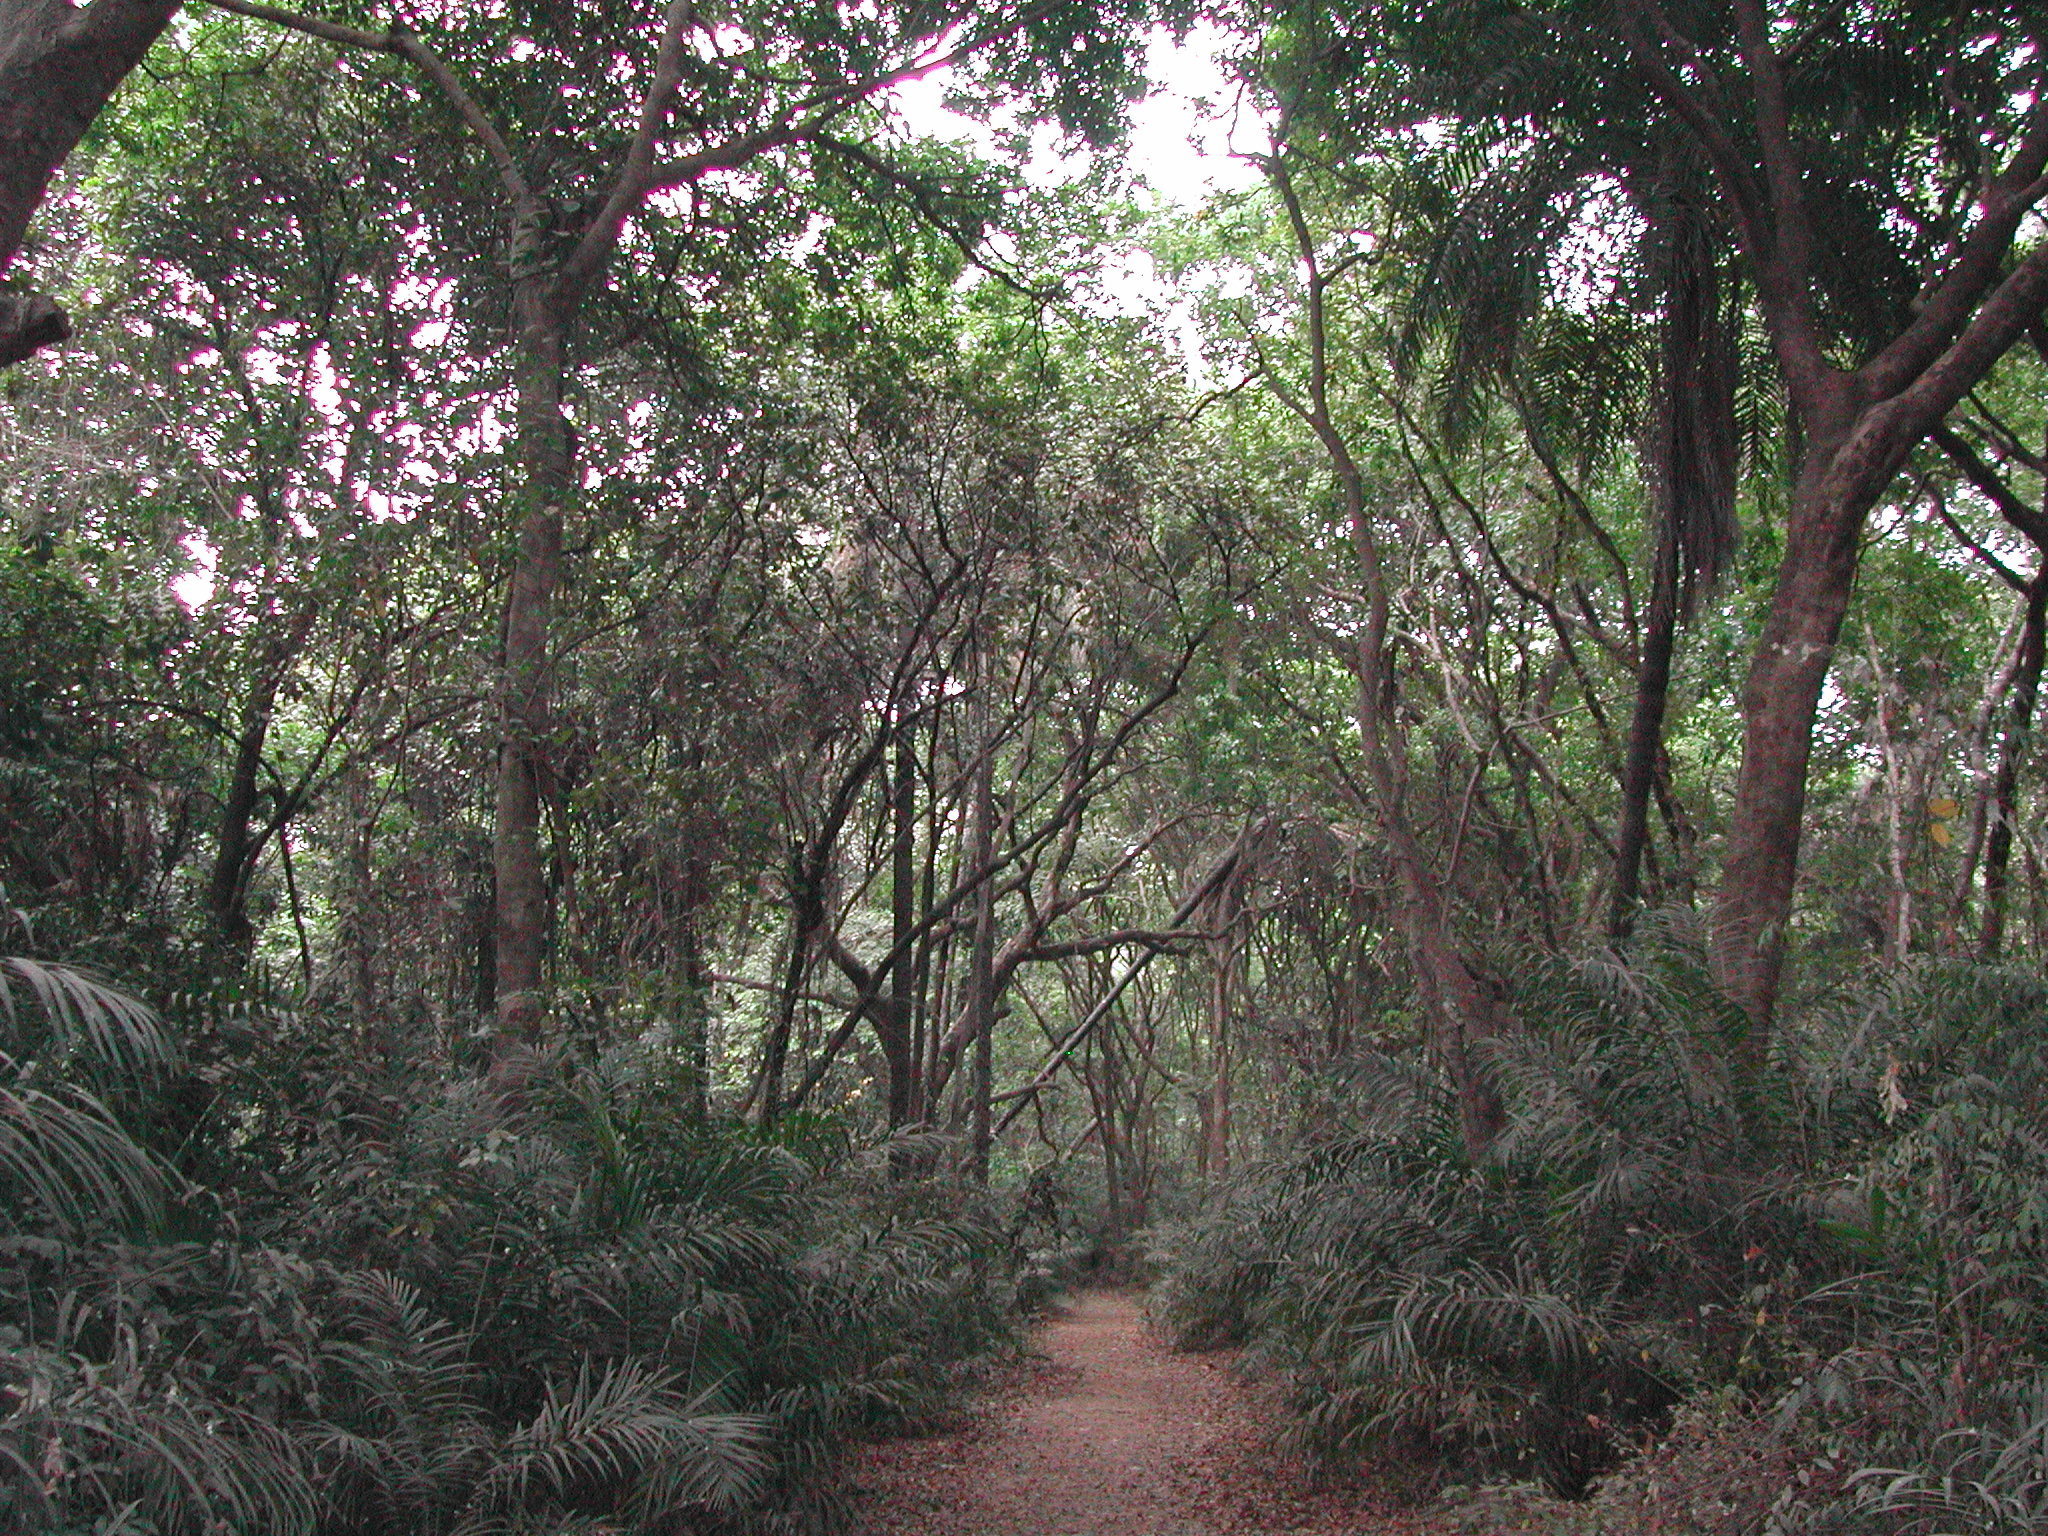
1645 737
1849 462
693 1007
1216 1119
59 64
1102 1100
1692 467
899 1047
981 962
1223 958
1456 999
2012 754
227 888
806 911
526 685
1862 425
356 934
239 844
1847 468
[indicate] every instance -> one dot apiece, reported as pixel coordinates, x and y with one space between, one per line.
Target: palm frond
78 1014
614 1424
65 1152
121 1439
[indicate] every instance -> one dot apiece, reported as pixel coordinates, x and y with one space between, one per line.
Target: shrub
401 1305
1851 1245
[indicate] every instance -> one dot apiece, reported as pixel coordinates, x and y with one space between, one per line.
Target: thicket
1817 1298
305 1287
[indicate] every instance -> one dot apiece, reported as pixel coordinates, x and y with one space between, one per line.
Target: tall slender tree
1824 152
684 98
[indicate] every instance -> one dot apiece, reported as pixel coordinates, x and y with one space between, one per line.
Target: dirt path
1116 1436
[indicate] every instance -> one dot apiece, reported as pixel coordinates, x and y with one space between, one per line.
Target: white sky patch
1189 136
1585 271
812 240
323 384
1185 136
721 41
194 589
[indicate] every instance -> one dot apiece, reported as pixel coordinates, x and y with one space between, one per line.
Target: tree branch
1994 488
2016 304
1976 267
403 44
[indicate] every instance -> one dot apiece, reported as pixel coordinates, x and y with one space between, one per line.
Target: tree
1825 151
699 100
1458 997
59 64
1985 460
1875 171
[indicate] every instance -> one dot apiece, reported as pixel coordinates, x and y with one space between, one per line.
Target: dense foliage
664 723
1875 1277
394 1303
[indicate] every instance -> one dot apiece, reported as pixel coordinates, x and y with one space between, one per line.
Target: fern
83 1437
615 1424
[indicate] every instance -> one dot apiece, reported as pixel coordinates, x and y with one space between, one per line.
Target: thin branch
919 193
1917 349
1161 939
1995 489
601 237
1063 1054
403 44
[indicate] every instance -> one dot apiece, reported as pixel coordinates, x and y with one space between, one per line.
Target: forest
677 730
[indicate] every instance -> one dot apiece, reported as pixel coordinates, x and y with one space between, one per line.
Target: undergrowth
1811 1299
305 1288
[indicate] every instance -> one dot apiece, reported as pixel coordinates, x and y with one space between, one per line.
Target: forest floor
1107 1432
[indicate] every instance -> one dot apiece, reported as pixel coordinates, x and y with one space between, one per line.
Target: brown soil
1111 1434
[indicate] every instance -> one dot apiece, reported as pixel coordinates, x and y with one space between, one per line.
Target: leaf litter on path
1111 1434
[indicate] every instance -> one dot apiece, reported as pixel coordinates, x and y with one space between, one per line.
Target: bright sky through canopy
1184 141
1183 133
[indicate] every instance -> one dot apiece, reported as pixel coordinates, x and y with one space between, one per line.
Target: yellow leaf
1944 807
1941 834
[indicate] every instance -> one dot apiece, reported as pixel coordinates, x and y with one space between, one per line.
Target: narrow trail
1114 1436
